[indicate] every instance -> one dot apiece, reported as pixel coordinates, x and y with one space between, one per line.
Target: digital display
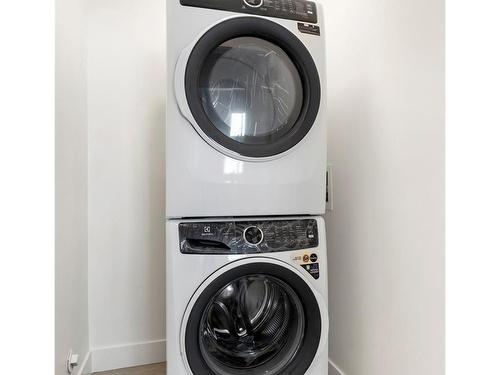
298 10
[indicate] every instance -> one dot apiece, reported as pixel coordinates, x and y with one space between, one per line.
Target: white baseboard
85 367
128 355
333 369
137 354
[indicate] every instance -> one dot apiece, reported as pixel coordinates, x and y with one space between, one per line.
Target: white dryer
247 297
246 131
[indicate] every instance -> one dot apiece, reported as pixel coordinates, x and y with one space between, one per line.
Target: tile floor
156 369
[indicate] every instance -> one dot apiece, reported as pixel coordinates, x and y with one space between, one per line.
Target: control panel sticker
308 260
248 237
304 257
309 29
312 269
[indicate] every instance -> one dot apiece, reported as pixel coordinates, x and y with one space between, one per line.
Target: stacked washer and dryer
246 172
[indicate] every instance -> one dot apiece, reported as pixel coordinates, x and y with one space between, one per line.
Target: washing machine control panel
298 10
247 237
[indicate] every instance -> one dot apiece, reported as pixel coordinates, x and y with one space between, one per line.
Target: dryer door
252 87
254 319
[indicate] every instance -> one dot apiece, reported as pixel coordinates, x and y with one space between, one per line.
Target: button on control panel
246 237
298 10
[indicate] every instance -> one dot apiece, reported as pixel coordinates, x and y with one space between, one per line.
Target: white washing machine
246 131
247 297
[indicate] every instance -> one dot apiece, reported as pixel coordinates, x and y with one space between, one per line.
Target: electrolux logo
207 230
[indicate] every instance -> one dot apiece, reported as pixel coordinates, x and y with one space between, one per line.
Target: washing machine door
252 87
257 318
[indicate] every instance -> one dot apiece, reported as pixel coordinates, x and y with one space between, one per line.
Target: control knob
254 3
253 235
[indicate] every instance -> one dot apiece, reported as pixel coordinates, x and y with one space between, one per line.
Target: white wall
126 104
71 297
386 142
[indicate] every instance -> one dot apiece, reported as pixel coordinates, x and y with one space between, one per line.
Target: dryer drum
255 319
251 90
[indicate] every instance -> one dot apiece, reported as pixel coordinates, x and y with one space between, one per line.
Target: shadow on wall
126 118
386 145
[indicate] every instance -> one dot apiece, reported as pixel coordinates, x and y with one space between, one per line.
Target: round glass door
254 323
251 90
252 87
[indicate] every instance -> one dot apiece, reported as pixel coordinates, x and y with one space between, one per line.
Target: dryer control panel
298 10
247 237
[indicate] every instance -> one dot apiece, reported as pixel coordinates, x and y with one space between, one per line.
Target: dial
253 235
253 3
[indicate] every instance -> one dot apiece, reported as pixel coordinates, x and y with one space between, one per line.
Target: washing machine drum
252 87
253 320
